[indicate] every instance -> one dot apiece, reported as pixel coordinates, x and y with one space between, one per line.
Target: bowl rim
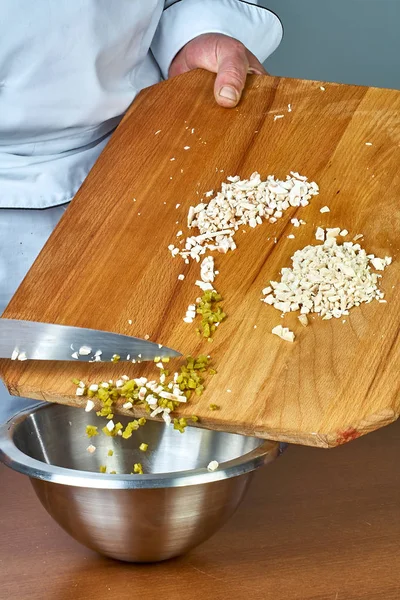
17 460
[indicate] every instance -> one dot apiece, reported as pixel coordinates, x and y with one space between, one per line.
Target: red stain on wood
347 436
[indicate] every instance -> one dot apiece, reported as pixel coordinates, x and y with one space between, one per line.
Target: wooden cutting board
107 263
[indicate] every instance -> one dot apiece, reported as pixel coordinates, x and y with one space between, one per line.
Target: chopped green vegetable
194 418
110 453
91 431
103 469
115 358
137 469
180 424
76 381
117 427
211 312
214 407
143 447
113 472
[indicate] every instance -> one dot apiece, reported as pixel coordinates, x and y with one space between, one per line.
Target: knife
23 340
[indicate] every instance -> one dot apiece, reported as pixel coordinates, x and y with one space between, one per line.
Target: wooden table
316 525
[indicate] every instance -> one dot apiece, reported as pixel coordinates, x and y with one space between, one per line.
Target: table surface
315 525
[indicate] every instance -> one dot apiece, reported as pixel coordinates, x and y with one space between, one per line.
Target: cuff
257 28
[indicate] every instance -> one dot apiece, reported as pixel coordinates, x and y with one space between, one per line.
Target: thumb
232 71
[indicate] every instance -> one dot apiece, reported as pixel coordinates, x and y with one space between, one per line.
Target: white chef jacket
69 69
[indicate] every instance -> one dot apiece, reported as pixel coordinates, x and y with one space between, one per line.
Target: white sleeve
257 28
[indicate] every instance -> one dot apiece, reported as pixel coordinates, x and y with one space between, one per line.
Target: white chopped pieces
320 234
297 222
204 286
368 143
190 314
303 320
242 202
332 232
325 209
186 148
22 356
276 117
380 263
75 355
321 87
207 270
110 425
80 391
89 405
291 236
181 277
213 465
328 279
84 350
91 449
344 232
284 333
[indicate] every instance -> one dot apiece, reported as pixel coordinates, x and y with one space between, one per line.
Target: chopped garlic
84 350
325 209
303 320
14 355
89 405
181 277
91 449
332 232
80 391
127 405
284 333
327 279
276 117
22 356
110 425
378 263
75 355
213 465
320 234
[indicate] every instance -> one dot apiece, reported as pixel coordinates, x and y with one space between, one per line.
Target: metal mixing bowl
176 505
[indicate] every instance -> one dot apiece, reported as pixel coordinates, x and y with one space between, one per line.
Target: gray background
349 41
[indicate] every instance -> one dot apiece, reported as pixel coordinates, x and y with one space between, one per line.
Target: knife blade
29 340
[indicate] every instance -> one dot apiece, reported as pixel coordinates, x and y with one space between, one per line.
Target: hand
223 55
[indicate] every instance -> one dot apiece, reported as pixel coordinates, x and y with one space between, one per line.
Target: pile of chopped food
240 202
327 279
160 397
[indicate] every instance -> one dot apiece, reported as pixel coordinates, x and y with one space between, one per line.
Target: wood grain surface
314 526
107 262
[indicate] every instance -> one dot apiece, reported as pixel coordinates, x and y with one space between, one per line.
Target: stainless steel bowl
176 505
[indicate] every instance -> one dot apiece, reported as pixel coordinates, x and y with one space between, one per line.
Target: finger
255 67
179 65
233 66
